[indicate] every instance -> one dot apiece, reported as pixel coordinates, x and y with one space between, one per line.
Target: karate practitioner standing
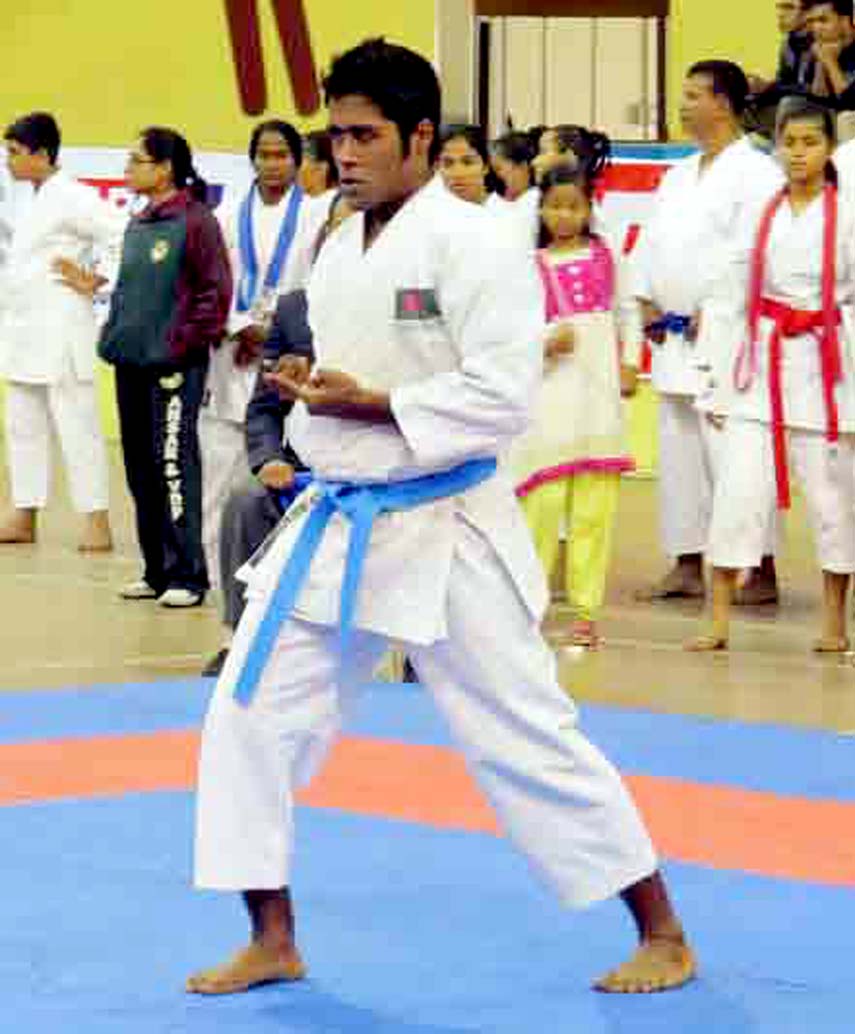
683 264
269 234
426 329
48 334
794 379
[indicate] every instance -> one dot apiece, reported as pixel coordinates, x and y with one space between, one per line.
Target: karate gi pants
224 467
71 406
494 679
746 490
158 416
689 448
250 514
586 503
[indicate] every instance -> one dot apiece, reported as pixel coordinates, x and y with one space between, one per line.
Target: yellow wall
106 69
744 31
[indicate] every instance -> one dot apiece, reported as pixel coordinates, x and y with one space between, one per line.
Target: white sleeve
103 225
227 216
491 298
729 261
640 263
627 307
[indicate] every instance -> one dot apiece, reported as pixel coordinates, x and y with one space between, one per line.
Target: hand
827 53
249 344
276 474
289 375
79 279
561 340
628 381
651 315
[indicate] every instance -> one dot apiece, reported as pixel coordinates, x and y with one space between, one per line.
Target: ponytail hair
591 149
166 145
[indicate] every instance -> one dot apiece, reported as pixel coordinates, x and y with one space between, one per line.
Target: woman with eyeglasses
169 308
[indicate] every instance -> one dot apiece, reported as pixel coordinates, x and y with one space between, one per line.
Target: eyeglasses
136 159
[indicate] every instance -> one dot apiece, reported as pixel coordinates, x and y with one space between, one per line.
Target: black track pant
158 416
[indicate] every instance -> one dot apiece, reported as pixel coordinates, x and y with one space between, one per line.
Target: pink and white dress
577 427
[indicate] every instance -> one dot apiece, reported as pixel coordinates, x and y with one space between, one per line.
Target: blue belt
360 504
671 323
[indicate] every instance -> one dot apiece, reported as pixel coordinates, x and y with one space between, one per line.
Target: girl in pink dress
568 465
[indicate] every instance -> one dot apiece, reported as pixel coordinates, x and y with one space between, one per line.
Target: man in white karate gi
684 266
60 239
270 233
426 329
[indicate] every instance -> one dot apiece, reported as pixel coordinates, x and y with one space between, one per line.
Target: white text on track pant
494 679
71 407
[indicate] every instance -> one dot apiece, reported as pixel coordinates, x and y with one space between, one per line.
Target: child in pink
568 465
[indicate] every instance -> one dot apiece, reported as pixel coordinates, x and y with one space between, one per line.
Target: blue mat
406 930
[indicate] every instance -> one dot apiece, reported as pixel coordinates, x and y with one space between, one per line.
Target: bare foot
19 528
756 592
96 537
831 644
706 644
253 965
659 964
679 583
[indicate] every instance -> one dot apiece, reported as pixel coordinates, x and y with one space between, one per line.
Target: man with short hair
426 330
831 70
683 279
48 334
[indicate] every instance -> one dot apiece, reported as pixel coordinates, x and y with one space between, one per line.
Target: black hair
515 146
534 133
37 131
285 130
399 82
591 148
166 145
477 140
807 109
563 175
727 80
842 7
317 146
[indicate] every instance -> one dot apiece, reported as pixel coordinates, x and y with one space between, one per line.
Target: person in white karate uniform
682 267
793 384
270 233
427 329
48 334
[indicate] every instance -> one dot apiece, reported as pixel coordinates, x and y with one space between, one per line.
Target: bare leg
723 584
96 537
19 527
760 585
833 638
270 957
663 960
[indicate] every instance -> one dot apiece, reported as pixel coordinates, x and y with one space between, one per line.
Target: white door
597 72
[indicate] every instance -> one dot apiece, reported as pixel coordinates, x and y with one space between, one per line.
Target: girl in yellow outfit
569 464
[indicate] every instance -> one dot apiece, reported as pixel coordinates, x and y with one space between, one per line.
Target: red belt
789 323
